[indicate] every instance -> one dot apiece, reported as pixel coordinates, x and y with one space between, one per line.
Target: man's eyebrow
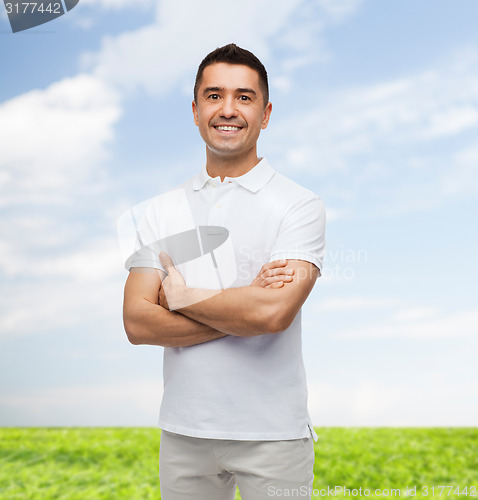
240 90
212 89
246 91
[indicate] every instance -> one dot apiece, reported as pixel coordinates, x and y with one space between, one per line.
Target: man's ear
267 115
195 113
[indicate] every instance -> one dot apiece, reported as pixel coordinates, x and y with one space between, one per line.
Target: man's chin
229 151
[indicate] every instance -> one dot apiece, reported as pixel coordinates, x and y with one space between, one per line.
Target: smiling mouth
228 128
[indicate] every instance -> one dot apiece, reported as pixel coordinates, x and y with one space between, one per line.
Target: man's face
230 110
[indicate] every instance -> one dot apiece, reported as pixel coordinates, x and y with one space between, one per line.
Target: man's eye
244 98
213 96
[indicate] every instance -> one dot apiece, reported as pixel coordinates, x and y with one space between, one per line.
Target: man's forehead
233 76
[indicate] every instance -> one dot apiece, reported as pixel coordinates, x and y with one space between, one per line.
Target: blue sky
375 108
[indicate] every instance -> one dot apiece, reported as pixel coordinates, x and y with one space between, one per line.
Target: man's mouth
227 128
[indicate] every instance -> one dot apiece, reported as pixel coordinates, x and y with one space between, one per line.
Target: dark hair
232 54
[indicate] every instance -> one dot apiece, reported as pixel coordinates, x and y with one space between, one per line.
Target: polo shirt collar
253 180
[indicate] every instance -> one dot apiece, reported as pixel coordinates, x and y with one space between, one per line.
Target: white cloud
408 325
414 314
375 137
423 107
451 121
158 57
281 83
36 307
339 10
354 303
57 275
116 404
370 402
99 260
53 139
53 266
334 214
462 179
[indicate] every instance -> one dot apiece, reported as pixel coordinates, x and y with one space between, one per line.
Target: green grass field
122 463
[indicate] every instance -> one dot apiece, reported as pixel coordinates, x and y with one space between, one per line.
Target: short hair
233 54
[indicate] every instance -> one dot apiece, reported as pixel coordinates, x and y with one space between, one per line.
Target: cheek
256 124
205 120
202 123
256 119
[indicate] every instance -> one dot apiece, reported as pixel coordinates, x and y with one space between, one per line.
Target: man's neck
230 166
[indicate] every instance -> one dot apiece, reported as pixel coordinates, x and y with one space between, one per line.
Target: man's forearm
242 311
151 324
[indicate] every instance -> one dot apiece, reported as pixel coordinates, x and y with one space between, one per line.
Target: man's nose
229 109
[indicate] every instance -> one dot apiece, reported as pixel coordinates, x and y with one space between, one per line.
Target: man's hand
173 287
147 323
273 275
173 293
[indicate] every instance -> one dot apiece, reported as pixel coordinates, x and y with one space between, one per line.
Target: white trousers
209 469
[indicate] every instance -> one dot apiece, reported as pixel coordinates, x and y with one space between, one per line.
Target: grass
396 458
122 463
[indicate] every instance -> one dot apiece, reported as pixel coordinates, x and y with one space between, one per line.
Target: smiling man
234 408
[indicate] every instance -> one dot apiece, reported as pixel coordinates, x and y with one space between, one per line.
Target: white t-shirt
220 234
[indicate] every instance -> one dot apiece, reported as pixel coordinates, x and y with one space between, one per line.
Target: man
234 408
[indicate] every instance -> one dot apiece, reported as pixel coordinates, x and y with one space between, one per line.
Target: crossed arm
268 306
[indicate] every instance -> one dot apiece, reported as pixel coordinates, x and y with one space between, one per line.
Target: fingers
279 271
274 272
273 264
281 278
166 261
276 284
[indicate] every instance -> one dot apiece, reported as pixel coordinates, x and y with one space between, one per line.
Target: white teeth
223 127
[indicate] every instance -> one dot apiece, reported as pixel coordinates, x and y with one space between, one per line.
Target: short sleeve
146 249
301 233
163 224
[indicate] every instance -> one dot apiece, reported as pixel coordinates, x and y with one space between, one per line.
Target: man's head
231 104
232 54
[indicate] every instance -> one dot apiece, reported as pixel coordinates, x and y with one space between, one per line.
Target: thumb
166 261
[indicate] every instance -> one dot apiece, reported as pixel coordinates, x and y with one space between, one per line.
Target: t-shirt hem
239 436
143 263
